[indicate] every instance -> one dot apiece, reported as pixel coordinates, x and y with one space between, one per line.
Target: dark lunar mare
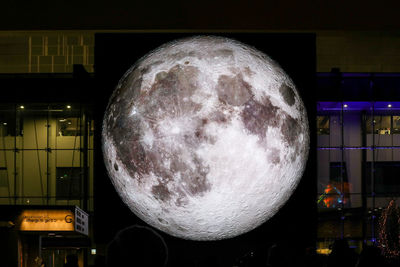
257 117
169 96
123 130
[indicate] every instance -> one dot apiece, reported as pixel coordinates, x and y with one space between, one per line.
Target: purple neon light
358 148
357 105
359 75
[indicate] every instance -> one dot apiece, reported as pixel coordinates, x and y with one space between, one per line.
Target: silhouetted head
370 256
340 247
100 261
137 246
72 259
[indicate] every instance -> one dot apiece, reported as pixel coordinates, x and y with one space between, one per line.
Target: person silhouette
72 261
137 246
341 255
370 257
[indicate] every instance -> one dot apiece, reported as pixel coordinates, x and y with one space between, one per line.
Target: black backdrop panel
294 226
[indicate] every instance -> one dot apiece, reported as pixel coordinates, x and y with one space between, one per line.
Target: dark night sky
204 14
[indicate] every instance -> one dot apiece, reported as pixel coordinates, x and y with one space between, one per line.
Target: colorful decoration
389 231
332 196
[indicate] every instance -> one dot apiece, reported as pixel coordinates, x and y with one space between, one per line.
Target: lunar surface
205 138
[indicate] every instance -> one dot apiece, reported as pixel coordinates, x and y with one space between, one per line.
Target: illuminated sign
81 221
47 220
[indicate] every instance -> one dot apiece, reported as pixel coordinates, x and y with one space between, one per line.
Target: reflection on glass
396 125
358 166
68 126
323 125
42 153
386 177
380 124
68 183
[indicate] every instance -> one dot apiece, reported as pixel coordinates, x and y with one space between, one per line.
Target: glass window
322 125
378 124
68 127
3 177
42 148
396 125
358 166
336 193
386 177
337 172
68 183
9 126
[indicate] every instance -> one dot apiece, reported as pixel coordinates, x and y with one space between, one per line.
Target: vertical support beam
85 252
373 173
364 175
85 161
40 246
341 172
15 154
48 150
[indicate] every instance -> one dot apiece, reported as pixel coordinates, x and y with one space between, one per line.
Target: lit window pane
322 125
378 125
396 125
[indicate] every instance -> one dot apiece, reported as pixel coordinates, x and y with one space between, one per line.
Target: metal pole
85 162
341 172
363 174
48 157
15 155
40 246
373 175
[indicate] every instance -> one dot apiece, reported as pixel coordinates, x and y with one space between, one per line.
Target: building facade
47 139
46 169
358 141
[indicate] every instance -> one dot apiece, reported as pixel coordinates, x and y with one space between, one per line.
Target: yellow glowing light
46 220
324 251
345 105
390 105
68 106
21 107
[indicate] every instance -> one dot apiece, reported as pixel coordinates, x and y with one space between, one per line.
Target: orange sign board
47 220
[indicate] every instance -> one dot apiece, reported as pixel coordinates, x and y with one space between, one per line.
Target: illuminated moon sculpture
205 138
